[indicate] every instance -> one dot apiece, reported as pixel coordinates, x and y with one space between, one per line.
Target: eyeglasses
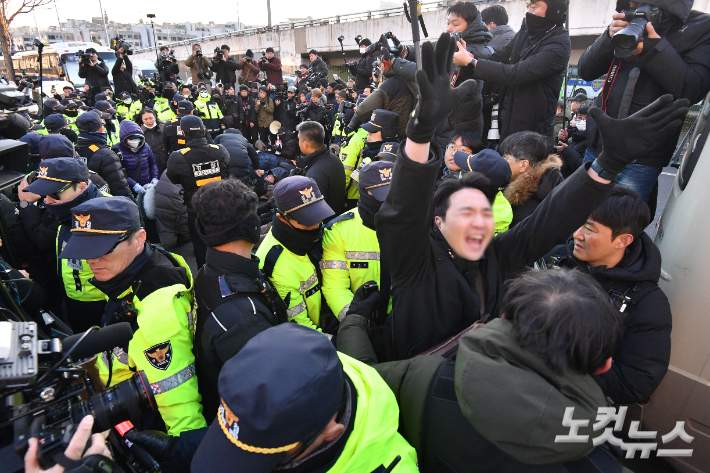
55 196
460 148
124 237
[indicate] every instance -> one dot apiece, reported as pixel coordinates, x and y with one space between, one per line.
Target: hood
490 364
476 32
129 128
232 131
55 146
522 189
642 262
678 8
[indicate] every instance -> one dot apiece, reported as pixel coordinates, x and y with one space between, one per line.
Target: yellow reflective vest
351 159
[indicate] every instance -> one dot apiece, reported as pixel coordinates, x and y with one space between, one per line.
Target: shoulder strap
340 218
270 261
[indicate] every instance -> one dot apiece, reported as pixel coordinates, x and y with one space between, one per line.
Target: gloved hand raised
138 189
436 96
366 300
158 444
633 137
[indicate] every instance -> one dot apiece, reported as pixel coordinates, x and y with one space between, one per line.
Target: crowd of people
414 270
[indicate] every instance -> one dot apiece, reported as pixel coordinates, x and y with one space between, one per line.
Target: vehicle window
696 144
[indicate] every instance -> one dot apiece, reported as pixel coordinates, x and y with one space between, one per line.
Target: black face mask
537 25
297 241
168 94
373 147
368 207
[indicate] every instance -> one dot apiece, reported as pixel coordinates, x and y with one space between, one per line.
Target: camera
301 109
218 53
83 57
118 43
45 394
627 40
263 57
198 53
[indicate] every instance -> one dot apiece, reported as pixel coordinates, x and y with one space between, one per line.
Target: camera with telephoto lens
83 57
118 43
626 41
301 109
218 53
46 395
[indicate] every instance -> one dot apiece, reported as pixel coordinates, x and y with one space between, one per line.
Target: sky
249 12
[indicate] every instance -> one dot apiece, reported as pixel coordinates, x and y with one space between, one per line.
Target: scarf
97 137
373 147
537 26
300 242
62 212
368 207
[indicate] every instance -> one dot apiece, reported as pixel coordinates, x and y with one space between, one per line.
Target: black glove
628 139
158 444
366 301
436 96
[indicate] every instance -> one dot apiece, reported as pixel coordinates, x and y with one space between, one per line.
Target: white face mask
33 109
204 94
152 126
134 143
582 125
363 49
128 101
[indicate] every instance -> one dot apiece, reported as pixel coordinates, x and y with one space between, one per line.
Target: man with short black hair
495 18
224 66
613 248
94 72
321 165
272 66
317 64
249 69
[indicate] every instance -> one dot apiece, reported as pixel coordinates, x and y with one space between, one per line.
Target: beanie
250 53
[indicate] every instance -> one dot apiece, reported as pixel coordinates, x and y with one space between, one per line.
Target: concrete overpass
588 19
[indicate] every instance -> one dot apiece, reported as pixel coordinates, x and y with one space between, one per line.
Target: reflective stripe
120 355
348 168
295 310
333 264
343 311
363 255
174 381
306 284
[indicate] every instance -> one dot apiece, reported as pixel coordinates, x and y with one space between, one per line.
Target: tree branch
26 7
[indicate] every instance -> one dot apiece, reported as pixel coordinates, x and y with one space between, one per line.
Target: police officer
290 253
125 106
309 408
194 166
151 289
108 115
290 119
162 104
235 300
173 134
351 251
209 111
64 183
343 116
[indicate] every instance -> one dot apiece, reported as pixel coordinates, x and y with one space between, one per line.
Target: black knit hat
250 53
556 10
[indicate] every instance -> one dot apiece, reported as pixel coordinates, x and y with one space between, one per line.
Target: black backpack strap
270 261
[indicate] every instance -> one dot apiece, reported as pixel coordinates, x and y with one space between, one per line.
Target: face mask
33 109
204 94
151 127
363 50
582 125
168 93
134 143
128 101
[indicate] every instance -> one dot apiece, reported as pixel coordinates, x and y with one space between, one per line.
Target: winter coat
530 188
154 139
289 145
433 290
471 415
316 113
198 66
264 113
104 161
248 114
140 165
290 119
533 76
232 111
95 76
319 66
250 71
123 80
363 72
642 358
502 35
170 210
326 169
273 71
224 70
677 64
395 94
241 153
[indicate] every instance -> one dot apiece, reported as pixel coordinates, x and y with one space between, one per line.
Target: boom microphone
98 341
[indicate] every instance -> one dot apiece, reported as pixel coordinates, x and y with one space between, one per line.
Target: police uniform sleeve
163 348
288 285
336 277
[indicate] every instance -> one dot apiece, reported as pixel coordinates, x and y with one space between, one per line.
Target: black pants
198 245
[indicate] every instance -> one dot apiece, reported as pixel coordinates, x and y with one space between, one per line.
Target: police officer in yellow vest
162 104
127 107
211 115
351 251
291 252
108 114
151 289
65 184
307 408
51 107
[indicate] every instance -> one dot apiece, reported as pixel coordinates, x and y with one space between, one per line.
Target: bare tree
9 9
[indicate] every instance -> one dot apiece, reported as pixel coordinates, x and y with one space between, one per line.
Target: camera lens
627 39
124 401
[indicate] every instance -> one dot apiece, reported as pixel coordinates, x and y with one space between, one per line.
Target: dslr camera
218 53
198 53
83 57
627 40
263 57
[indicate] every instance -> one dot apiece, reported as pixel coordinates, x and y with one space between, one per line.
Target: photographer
122 73
248 114
362 70
231 108
224 66
264 114
198 64
272 66
317 64
94 71
290 119
167 66
315 111
671 58
250 71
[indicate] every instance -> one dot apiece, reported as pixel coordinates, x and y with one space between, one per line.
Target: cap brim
313 213
216 451
391 157
370 128
83 245
379 192
45 187
105 116
38 126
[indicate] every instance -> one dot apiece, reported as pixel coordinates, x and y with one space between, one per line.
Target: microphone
98 341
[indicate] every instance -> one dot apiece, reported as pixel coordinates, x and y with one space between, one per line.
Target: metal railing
363 16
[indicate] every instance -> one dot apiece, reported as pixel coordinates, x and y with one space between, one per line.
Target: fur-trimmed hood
522 189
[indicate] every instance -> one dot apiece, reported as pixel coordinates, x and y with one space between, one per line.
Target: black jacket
290 119
223 328
248 109
154 139
533 75
319 66
241 152
289 145
224 71
174 139
167 69
363 72
641 360
103 161
96 76
232 111
123 80
531 188
396 94
326 169
197 164
502 35
315 113
433 291
676 64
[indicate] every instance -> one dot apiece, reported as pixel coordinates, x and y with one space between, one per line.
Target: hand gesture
436 96
462 57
